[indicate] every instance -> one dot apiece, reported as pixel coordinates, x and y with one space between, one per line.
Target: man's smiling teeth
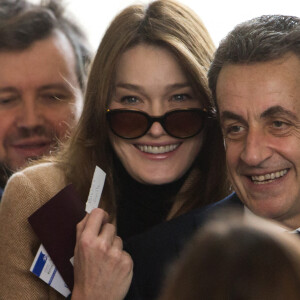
157 149
261 179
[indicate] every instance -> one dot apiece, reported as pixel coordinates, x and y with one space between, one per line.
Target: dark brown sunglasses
133 124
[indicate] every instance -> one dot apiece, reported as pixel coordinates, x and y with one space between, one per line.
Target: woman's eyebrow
128 86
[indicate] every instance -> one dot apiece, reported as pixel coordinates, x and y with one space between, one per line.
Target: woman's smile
157 149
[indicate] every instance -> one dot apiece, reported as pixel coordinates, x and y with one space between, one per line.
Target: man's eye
280 127
278 124
233 132
7 101
129 100
54 97
234 129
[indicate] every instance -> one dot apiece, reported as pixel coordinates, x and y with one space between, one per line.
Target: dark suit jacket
153 251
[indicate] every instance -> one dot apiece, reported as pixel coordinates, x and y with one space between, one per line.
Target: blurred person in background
44 59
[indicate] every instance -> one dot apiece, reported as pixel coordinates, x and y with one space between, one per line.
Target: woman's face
148 78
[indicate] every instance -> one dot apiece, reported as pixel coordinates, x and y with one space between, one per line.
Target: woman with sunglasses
148 121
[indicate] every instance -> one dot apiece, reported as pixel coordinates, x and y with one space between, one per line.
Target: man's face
260 117
40 98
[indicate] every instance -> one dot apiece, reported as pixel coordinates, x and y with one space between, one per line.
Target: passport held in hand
55 225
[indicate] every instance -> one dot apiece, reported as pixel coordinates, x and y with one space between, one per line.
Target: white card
95 190
44 268
94 194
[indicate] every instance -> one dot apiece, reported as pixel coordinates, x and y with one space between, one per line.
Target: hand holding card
102 269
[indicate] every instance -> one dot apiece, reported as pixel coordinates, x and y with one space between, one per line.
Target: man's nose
256 148
29 115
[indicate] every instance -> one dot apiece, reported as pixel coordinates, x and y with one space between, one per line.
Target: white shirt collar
277 225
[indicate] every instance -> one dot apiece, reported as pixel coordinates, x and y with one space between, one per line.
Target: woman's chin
156 179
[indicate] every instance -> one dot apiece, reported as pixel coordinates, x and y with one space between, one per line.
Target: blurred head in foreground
235 258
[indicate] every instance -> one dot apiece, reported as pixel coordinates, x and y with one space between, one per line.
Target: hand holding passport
55 223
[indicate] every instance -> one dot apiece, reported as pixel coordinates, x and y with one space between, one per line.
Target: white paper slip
95 190
94 194
44 268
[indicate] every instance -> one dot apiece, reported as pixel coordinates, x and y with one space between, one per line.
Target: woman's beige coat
25 192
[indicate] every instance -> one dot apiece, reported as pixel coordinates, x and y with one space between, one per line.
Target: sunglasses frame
161 120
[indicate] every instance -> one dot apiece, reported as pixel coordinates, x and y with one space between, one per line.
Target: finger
127 263
108 233
117 243
95 221
80 227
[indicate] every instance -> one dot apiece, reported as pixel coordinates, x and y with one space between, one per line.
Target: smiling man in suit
255 82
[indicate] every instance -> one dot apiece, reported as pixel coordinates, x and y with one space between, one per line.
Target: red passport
55 225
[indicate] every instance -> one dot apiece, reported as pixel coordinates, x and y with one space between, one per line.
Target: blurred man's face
40 99
259 108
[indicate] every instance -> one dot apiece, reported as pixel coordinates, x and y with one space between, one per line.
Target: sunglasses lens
184 124
128 124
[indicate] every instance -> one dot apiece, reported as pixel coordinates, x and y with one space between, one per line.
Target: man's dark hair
261 39
23 23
